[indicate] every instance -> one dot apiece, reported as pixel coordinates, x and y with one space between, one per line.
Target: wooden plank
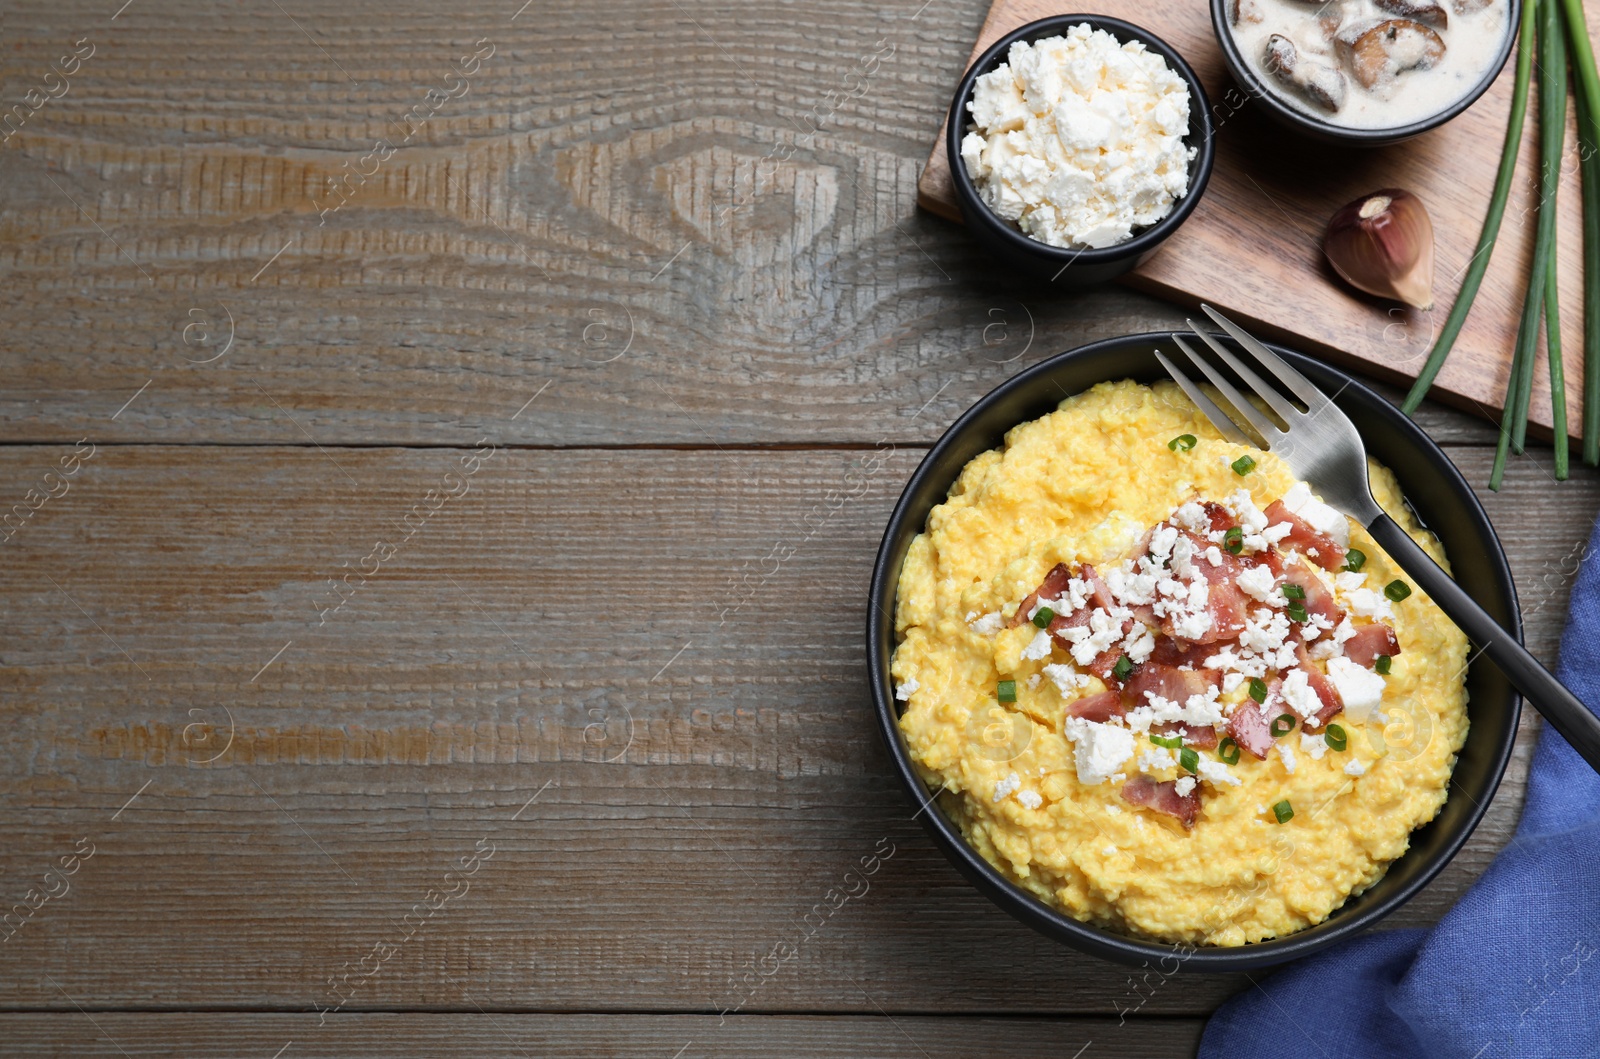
190 1036
543 666
1258 231
518 250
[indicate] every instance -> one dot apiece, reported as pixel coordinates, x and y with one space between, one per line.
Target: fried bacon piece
1163 797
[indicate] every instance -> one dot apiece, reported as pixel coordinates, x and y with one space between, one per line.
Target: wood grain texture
1253 245
590 1037
611 222
553 634
421 312
578 664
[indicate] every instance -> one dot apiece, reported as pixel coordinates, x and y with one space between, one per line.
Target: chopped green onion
1189 759
1171 742
1183 443
1282 725
1244 465
1008 691
1043 617
1122 668
1228 751
1335 737
1297 611
1283 811
1258 689
1382 664
1233 540
1354 560
1397 590
1294 591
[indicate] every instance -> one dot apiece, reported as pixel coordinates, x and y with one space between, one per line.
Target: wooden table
405 667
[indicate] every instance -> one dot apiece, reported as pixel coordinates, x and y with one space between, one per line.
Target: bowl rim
1203 138
1256 88
1024 906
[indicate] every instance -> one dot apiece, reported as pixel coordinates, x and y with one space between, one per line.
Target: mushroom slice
1241 11
1464 7
1429 12
1329 18
1318 82
1377 51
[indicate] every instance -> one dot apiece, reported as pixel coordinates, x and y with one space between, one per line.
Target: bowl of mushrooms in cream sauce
1365 71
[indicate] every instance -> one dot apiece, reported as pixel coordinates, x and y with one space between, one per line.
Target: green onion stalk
1552 134
1588 102
1497 209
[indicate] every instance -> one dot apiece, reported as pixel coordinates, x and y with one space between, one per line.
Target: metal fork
1322 447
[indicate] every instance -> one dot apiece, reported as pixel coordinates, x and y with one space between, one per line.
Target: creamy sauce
1472 39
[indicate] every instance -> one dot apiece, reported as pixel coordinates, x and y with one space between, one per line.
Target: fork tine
1265 427
1302 386
1208 407
1262 388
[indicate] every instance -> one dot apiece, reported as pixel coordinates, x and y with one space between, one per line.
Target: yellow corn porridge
1165 688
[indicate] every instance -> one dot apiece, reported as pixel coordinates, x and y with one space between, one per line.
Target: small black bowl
1441 499
1326 131
1075 268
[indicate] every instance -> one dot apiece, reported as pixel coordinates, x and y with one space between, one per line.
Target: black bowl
1075 268
1287 114
1437 493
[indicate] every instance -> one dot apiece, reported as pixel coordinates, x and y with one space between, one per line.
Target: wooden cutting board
1253 245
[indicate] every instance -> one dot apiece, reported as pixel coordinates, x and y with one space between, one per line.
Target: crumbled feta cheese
1317 515
1349 580
1296 690
1109 851
1184 785
1276 532
1038 647
1100 750
1033 681
1369 604
1113 808
1251 518
1065 678
1287 754
1156 758
1192 626
1030 799
1010 785
1139 643
1090 641
1313 744
1359 688
1217 772
1192 517
1214 555
987 625
1355 767
1131 587
904 691
1260 583
1079 138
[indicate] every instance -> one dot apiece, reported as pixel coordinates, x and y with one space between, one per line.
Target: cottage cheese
1079 139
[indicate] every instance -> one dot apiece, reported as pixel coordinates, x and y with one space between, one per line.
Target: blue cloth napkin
1512 970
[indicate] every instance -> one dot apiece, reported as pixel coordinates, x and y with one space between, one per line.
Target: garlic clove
1382 244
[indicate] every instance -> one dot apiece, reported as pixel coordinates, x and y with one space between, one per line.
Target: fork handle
1565 711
